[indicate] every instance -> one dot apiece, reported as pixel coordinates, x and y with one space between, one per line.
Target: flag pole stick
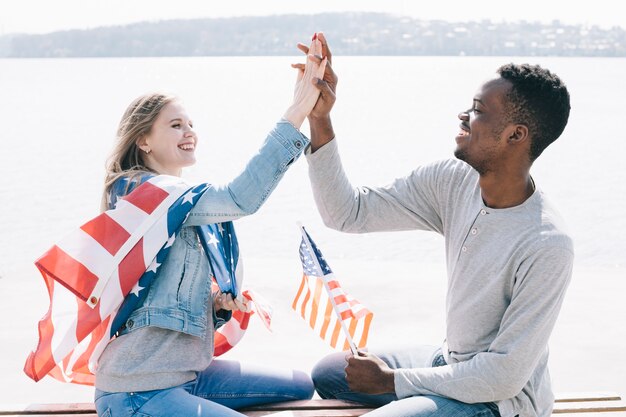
353 347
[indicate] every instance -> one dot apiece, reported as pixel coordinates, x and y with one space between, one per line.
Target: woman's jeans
217 391
330 382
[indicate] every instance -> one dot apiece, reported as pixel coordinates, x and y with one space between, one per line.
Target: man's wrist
321 131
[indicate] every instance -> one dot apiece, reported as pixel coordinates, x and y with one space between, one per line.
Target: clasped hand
225 301
327 84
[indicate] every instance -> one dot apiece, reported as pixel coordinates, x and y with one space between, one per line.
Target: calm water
58 119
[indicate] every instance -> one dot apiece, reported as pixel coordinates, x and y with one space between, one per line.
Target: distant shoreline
351 34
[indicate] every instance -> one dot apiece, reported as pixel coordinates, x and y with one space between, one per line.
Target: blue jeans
330 382
217 391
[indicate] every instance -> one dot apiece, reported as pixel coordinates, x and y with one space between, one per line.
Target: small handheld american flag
334 315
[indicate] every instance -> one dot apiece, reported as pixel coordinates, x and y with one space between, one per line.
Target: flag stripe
319 286
107 232
299 293
327 316
148 197
67 271
131 267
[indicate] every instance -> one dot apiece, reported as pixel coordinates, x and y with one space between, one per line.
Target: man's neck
500 191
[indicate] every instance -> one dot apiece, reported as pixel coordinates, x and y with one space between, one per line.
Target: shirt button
464 248
483 212
474 231
298 144
130 324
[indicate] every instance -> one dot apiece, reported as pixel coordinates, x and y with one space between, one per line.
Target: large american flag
334 315
99 273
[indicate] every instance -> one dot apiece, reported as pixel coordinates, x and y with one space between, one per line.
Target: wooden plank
565 403
352 412
308 405
609 414
589 407
564 397
19 414
50 409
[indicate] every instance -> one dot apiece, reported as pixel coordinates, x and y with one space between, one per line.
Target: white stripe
82 247
358 332
232 331
154 240
136 235
127 215
78 350
64 318
112 296
309 301
99 348
321 310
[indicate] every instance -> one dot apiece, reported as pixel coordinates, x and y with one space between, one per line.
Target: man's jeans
217 391
330 382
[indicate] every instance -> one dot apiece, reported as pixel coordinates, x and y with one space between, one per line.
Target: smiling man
509 259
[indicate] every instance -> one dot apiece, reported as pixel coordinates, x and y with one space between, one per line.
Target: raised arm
284 144
319 118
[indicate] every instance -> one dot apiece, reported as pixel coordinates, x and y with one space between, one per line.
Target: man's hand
327 85
368 374
319 119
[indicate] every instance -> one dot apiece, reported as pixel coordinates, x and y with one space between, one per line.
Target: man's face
482 137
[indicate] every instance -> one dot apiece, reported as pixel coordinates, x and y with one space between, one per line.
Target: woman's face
171 141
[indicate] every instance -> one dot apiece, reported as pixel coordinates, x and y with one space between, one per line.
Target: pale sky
41 16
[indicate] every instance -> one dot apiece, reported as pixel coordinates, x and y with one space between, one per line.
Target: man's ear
518 134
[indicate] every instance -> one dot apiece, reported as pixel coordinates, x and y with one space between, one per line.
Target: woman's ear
142 144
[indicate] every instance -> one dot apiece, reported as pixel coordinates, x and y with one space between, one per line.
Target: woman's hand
319 119
306 91
327 84
222 301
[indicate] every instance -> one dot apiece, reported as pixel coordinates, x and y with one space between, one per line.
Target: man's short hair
539 100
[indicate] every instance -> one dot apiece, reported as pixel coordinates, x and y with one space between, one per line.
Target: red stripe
73 275
346 314
87 319
221 345
147 197
107 232
132 268
81 365
333 284
40 361
319 286
335 334
305 301
297 297
366 329
340 299
327 314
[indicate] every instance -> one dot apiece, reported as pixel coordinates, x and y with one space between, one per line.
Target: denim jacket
179 296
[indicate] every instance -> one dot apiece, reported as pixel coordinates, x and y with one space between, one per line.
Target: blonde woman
161 363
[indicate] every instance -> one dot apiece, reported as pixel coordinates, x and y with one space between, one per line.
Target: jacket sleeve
248 191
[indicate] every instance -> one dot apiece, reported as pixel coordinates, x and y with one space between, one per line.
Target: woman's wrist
295 116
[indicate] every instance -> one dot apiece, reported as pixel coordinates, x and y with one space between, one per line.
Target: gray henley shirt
508 270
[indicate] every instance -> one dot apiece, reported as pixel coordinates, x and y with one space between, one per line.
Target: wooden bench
590 404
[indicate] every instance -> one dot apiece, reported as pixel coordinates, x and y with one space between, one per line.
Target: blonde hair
126 159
